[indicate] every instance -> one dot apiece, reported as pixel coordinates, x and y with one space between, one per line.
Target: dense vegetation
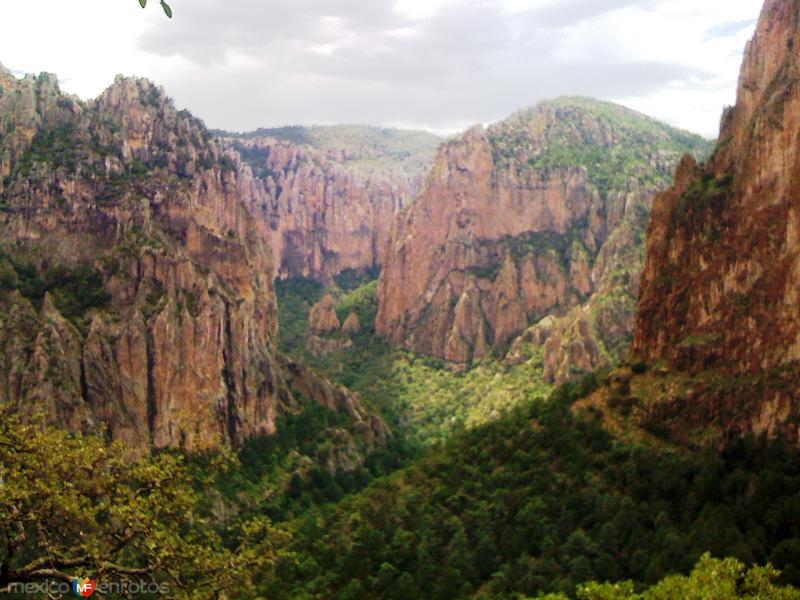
542 500
711 579
625 143
282 475
424 400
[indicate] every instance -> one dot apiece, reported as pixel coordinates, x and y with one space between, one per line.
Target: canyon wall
329 194
722 280
522 224
136 290
721 287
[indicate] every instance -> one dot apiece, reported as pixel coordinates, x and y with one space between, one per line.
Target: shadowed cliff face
512 228
135 288
721 288
328 196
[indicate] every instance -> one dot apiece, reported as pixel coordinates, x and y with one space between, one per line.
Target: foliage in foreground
711 579
165 7
73 506
538 501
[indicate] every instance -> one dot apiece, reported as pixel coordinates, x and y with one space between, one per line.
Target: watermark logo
83 587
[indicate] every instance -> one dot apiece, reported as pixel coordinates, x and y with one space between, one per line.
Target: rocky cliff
721 287
529 219
329 194
136 290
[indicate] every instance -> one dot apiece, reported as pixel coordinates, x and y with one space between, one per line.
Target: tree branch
39 563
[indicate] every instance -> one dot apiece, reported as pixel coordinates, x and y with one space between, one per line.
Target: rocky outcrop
721 285
323 324
370 428
599 332
160 318
42 359
512 227
329 202
322 319
351 325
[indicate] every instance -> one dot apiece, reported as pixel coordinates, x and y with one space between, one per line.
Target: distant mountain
536 221
359 140
330 193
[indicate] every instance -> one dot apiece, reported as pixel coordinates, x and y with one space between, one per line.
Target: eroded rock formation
351 325
322 319
722 281
323 327
159 317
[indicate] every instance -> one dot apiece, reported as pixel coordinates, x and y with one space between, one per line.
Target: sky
440 65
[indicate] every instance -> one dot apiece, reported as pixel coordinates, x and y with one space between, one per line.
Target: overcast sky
435 64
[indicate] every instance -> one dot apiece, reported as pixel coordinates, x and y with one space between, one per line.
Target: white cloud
85 43
439 64
692 34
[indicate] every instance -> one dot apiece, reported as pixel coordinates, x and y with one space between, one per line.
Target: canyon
553 357
351 362
140 250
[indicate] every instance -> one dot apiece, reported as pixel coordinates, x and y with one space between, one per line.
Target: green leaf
142 3
167 9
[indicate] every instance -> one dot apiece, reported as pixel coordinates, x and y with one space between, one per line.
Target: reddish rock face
721 286
182 352
511 226
429 299
329 209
